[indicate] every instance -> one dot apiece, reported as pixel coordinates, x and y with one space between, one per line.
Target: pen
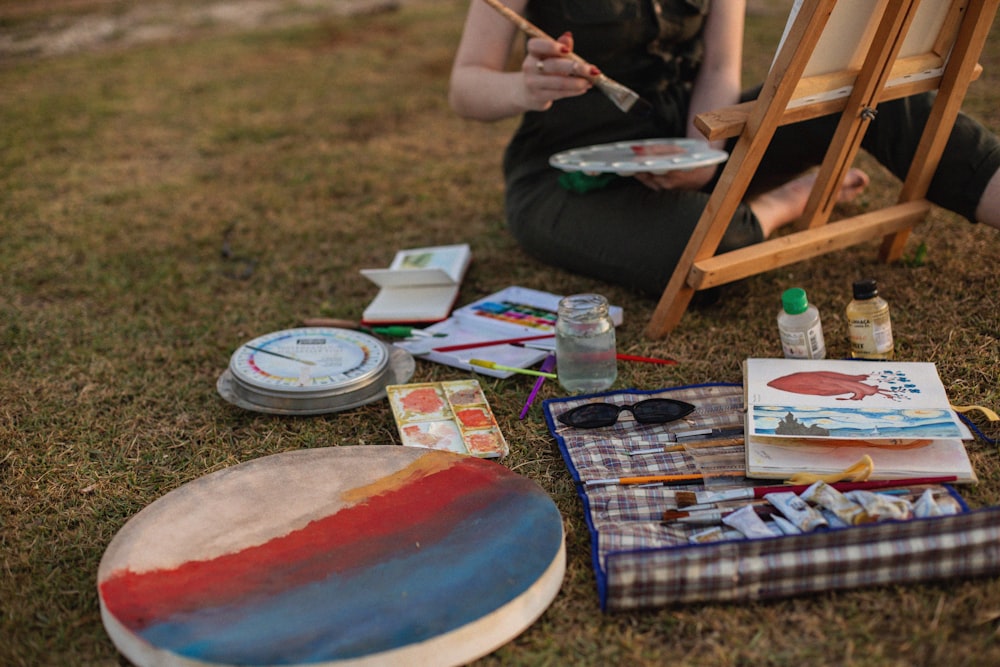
499 367
547 365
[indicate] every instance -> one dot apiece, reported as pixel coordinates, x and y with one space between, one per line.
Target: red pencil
488 343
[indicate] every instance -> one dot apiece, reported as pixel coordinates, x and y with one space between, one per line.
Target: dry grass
310 152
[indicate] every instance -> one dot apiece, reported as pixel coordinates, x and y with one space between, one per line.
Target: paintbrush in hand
624 98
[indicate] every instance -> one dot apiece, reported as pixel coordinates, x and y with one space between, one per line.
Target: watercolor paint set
452 416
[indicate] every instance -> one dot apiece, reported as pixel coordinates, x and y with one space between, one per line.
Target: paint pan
452 416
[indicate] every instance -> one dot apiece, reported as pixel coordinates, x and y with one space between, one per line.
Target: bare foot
787 203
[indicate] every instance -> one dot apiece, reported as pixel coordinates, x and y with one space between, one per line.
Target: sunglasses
650 411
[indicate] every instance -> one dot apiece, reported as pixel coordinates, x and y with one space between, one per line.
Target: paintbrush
696 444
623 97
686 498
658 479
708 437
710 516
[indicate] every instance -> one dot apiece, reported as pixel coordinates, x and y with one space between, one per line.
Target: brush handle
869 485
490 343
533 30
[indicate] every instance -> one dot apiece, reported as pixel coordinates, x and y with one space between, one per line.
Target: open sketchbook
822 416
420 285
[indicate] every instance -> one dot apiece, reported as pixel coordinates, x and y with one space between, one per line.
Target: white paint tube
798 511
746 520
848 512
786 526
882 507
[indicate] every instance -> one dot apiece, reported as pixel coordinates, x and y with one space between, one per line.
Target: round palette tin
312 370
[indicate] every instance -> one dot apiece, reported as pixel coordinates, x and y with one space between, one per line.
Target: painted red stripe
351 537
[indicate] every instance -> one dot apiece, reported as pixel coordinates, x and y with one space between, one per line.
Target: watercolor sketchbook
452 416
822 416
420 285
640 562
514 312
848 400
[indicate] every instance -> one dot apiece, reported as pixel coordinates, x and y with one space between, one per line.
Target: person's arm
719 77
482 89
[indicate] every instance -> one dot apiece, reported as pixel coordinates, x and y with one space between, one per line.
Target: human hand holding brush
550 71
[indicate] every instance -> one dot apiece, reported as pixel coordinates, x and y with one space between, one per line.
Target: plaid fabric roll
641 563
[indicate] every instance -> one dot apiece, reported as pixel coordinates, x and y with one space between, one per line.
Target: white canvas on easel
848 36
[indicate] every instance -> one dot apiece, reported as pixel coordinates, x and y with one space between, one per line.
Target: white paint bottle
800 326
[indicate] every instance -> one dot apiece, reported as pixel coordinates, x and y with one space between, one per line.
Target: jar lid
865 289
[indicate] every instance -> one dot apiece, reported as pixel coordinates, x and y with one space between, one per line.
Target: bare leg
787 203
988 210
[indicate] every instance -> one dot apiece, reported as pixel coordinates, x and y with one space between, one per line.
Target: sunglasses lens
660 410
592 415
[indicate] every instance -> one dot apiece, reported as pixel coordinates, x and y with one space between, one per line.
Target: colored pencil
513 369
547 365
690 498
488 343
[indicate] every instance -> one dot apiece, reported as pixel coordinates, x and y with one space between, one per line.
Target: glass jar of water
586 360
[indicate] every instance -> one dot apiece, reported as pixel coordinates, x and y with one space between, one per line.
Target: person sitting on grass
685 57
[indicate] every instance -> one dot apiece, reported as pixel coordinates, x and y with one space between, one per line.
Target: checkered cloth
640 563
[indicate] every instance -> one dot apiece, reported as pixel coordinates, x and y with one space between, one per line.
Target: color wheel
312 370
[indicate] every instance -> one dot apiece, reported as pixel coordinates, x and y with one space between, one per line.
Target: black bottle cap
865 289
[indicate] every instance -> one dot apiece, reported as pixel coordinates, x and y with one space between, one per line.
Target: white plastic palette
627 158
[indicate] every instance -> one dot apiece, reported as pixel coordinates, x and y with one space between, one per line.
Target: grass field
162 202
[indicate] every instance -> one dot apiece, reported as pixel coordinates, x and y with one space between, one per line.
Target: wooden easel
887 62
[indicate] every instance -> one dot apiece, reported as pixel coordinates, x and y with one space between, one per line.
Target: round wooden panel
344 555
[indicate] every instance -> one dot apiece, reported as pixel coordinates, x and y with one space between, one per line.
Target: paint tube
927 506
797 511
832 519
785 526
882 507
848 512
714 534
746 520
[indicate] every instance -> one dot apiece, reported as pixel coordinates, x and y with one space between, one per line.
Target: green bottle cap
794 301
